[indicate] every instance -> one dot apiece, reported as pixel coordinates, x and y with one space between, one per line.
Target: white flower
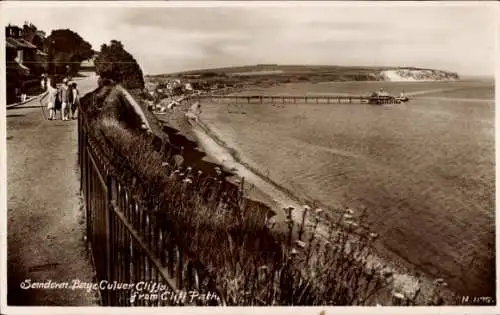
347 216
187 180
270 220
398 295
307 208
373 235
294 252
300 243
164 164
350 211
319 210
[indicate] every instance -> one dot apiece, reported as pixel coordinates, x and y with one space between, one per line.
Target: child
65 99
52 99
75 101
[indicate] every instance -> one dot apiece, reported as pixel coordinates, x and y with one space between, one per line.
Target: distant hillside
318 73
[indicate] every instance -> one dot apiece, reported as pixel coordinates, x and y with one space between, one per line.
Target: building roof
19 43
12 43
17 67
9 45
26 43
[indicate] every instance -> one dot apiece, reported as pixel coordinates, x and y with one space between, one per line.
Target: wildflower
189 169
164 164
307 208
187 180
319 210
349 211
300 243
174 174
293 252
263 267
270 220
200 172
373 235
439 281
347 216
398 295
218 170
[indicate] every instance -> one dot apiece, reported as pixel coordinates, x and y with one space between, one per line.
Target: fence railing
137 261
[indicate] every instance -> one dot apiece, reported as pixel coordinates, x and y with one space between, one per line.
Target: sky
175 37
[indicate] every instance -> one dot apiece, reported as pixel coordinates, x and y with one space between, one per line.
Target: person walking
75 100
65 100
52 98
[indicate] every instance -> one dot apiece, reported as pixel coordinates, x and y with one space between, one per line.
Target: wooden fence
127 244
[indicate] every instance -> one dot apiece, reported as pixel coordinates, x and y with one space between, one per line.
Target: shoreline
231 159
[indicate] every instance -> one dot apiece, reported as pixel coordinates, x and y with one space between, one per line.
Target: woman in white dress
51 101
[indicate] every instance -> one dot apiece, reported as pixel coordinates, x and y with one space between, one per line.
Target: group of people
66 98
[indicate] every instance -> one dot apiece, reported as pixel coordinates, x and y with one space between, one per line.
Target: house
24 63
29 58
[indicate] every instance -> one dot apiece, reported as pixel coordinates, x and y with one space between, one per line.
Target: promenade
46 226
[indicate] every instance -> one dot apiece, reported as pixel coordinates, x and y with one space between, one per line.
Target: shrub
115 63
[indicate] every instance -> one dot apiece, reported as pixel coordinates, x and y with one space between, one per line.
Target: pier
302 99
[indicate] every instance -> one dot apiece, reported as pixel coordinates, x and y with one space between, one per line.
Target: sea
424 171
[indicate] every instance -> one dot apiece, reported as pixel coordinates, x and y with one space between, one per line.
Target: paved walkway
45 223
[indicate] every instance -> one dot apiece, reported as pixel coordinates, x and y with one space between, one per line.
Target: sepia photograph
265 154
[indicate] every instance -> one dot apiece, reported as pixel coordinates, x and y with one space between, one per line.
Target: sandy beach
225 153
